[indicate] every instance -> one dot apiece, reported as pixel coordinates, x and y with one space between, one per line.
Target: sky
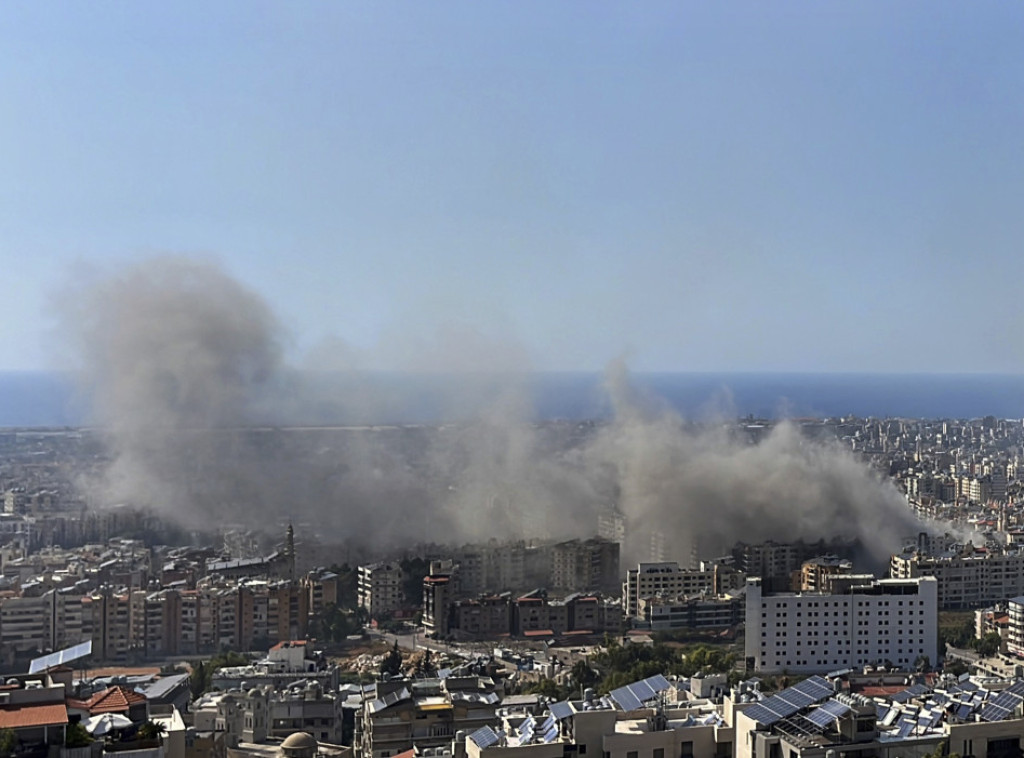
788 186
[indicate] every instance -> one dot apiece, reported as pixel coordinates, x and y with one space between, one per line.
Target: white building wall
891 620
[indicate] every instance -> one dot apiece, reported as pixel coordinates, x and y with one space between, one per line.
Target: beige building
663 580
380 588
968 578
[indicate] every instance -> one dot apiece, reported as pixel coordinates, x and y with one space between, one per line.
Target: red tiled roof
23 716
111 700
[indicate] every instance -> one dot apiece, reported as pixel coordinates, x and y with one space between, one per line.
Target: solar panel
781 707
905 729
964 711
484 737
66 655
761 715
625 699
560 710
527 725
828 712
835 708
551 734
817 687
546 724
910 693
658 683
642 690
820 718
794 697
1017 687
633 696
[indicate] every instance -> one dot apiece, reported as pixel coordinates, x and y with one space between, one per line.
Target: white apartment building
1015 629
380 588
664 580
891 620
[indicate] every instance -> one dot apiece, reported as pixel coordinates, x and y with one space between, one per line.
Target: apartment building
422 714
585 566
380 588
663 580
888 620
712 612
967 577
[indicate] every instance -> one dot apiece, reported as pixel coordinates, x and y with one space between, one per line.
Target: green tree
151 730
988 645
76 735
9 741
547 687
583 675
391 665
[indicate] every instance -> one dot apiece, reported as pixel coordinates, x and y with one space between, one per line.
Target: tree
956 668
392 663
151 730
425 665
548 688
9 741
583 676
988 645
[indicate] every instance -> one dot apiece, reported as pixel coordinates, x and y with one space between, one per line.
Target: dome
299 745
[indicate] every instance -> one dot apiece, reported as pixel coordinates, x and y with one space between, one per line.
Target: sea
43 399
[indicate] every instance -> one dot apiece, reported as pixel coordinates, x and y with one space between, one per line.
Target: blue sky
815 186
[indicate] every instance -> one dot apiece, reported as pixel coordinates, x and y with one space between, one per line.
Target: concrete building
889 620
422 714
968 578
698 612
440 588
663 580
380 588
585 566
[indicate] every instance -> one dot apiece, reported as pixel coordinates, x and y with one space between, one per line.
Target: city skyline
487 187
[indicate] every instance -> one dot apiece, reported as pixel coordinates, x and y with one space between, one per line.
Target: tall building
888 620
585 565
380 588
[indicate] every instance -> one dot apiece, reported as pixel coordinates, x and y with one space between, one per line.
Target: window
686 750
659 752
631 754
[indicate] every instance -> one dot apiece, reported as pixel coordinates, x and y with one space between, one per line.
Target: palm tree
151 730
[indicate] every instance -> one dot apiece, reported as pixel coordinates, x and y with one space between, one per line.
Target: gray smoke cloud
709 488
186 373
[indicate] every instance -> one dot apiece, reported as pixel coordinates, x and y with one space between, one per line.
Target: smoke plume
185 369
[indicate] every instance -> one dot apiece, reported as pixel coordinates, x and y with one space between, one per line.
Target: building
585 566
968 577
698 612
440 587
380 589
422 714
815 573
888 620
663 580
